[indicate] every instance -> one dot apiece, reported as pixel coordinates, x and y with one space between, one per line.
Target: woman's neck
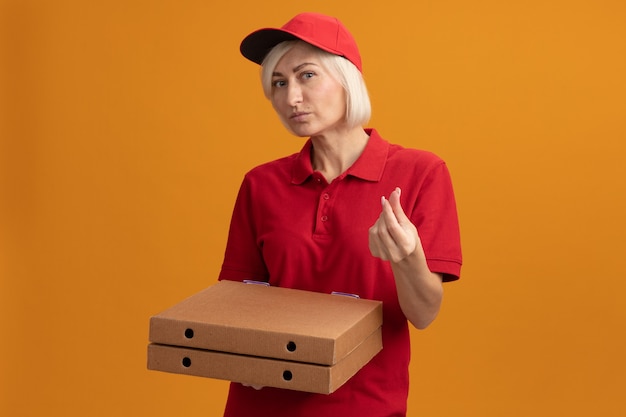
332 155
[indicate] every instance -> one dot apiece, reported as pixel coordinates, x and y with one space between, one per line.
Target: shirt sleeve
243 258
435 216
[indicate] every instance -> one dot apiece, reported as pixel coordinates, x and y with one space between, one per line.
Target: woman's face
307 98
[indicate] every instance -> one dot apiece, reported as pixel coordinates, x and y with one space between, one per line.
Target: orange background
126 127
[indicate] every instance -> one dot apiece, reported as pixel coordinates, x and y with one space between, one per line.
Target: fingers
398 211
375 246
393 236
394 217
381 240
256 387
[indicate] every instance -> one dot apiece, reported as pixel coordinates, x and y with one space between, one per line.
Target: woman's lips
299 116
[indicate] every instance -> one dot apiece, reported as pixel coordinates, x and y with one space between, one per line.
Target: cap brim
256 45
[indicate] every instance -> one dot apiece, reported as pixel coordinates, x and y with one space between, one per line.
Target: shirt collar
368 167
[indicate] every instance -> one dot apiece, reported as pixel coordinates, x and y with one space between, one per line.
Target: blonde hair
358 105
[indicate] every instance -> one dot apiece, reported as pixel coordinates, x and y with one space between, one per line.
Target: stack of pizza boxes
267 336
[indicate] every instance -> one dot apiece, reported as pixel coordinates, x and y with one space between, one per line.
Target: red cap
325 32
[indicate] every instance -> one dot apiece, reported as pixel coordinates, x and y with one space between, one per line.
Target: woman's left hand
393 237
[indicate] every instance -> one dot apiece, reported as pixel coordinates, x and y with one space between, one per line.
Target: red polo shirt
292 228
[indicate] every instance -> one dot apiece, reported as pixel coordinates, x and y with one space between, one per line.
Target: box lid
270 322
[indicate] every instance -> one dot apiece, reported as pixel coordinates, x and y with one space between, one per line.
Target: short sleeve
243 258
436 218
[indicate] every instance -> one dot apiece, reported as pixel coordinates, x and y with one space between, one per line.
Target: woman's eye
279 83
308 74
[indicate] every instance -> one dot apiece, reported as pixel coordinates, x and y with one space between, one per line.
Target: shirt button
324 218
326 196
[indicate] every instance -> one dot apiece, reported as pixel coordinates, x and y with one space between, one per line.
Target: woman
350 212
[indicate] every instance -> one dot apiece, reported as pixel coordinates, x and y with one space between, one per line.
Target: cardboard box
267 336
271 322
264 372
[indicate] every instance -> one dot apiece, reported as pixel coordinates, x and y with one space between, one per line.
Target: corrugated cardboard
270 322
266 372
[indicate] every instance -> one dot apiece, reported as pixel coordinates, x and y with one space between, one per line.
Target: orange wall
127 127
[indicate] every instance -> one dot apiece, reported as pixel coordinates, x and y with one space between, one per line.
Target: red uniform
292 228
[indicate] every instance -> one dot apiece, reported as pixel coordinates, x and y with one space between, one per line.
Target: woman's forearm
420 292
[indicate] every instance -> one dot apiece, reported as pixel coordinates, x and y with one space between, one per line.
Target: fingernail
382 201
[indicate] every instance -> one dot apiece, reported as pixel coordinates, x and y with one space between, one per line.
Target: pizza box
269 322
264 372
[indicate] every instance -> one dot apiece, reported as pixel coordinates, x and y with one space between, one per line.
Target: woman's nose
295 94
